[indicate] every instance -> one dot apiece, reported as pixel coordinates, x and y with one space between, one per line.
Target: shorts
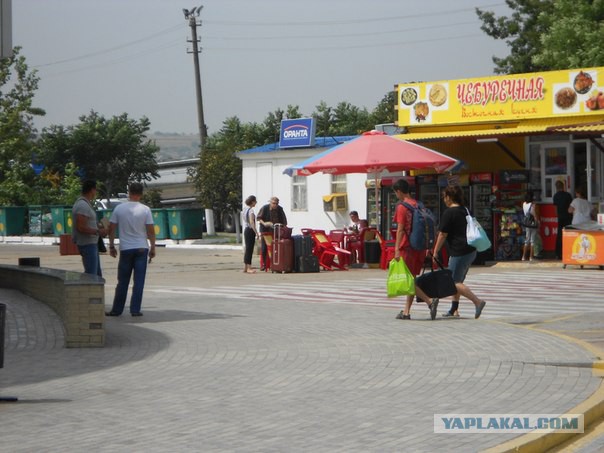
460 265
414 259
531 234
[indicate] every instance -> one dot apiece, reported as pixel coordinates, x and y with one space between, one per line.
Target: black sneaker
136 314
400 315
433 308
110 313
479 309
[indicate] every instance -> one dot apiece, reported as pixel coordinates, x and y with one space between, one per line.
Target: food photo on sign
580 93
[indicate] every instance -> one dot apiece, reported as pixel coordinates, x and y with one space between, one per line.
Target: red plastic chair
306 231
338 239
328 253
387 251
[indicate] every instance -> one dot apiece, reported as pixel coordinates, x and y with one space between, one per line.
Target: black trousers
250 238
559 239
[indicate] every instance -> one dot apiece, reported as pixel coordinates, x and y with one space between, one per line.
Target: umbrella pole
377 206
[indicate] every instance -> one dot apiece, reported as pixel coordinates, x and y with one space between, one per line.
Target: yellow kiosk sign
502 98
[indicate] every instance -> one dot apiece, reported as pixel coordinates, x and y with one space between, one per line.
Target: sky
116 56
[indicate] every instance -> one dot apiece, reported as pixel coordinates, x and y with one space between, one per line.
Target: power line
342 47
126 58
111 49
349 21
343 35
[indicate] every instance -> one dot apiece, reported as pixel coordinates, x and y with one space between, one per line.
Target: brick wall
78 299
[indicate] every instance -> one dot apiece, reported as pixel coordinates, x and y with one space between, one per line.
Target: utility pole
192 16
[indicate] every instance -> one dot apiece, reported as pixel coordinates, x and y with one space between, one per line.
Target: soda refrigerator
389 202
510 189
481 202
428 193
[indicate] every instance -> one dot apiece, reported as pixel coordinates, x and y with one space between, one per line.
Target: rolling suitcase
302 247
283 250
308 263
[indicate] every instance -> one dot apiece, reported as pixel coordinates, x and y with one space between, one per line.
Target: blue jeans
460 265
91 259
130 260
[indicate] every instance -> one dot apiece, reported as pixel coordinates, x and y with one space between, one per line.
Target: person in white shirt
580 208
137 244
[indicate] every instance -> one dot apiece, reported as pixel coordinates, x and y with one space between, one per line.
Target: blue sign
298 133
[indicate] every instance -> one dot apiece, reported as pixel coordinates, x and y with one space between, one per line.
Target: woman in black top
452 229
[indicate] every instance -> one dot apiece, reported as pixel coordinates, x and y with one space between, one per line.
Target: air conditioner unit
335 202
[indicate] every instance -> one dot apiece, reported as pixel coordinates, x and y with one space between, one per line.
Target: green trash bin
185 223
160 221
40 220
12 220
62 222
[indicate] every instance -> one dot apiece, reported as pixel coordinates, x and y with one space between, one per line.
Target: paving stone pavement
212 373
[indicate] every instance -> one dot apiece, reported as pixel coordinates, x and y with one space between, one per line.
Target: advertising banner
298 133
583 247
502 98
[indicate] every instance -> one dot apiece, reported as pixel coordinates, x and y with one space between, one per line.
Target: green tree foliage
385 112
548 34
350 120
521 31
113 151
325 118
573 38
218 176
17 88
152 198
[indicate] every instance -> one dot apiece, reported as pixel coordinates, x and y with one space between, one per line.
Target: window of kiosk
534 162
555 166
584 170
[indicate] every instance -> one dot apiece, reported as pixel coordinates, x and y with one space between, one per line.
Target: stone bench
78 299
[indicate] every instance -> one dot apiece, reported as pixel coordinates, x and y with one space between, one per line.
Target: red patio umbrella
373 152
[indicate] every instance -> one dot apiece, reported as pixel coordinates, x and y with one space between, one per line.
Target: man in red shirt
414 259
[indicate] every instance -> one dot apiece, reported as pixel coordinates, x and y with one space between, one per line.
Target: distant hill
175 146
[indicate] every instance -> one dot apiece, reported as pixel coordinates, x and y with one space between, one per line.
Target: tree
522 32
218 176
17 89
325 118
385 113
350 119
573 37
113 151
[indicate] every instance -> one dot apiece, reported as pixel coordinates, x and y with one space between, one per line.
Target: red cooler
548 228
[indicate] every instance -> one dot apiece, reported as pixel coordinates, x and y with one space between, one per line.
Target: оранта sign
298 133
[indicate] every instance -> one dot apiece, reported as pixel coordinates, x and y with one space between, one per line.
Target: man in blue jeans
137 244
86 229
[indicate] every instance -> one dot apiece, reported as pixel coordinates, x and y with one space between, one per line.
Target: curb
592 408
168 243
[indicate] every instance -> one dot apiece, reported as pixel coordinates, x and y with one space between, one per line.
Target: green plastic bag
400 280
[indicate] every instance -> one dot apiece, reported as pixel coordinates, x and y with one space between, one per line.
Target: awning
592 128
526 127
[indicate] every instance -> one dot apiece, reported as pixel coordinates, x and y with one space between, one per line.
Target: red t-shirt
414 259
